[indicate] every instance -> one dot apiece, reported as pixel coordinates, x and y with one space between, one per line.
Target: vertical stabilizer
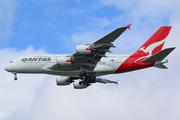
155 43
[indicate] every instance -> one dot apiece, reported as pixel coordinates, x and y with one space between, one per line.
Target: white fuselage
40 64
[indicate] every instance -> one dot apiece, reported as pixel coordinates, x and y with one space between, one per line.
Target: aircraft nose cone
7 68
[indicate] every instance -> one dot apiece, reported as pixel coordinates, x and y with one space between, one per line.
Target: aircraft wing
88 55
111 37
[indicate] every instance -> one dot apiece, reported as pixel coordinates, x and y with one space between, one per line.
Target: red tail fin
155 43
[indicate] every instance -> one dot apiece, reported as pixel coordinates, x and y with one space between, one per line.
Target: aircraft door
110 65
129 62
42 63
18 63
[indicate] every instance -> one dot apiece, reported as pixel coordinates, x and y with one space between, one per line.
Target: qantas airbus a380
90 61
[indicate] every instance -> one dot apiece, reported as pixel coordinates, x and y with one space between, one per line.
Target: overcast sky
56 27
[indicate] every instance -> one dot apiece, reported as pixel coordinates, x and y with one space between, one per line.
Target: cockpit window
11 61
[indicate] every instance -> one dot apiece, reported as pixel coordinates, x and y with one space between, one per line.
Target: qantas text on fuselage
36 59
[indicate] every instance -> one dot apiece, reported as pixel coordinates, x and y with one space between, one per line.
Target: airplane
83 67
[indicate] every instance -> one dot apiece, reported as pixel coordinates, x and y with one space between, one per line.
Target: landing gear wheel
83 74
87 78
15 78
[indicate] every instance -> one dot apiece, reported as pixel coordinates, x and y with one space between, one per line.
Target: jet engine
64 61
78 86
63 80
83 49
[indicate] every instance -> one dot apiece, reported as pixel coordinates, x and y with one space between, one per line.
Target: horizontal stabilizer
159 56
116 82
161 66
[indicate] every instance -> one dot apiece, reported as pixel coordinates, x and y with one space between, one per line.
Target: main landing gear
15 76
87 78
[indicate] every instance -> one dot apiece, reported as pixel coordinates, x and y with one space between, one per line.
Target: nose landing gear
15 76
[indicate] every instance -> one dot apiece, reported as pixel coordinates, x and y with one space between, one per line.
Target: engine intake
64 61
83 49
78 86
61 81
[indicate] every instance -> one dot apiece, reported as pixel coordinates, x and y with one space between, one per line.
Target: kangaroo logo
150 49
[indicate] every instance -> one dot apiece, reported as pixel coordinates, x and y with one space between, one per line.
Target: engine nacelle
64 61
83 49
78 86
63 80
